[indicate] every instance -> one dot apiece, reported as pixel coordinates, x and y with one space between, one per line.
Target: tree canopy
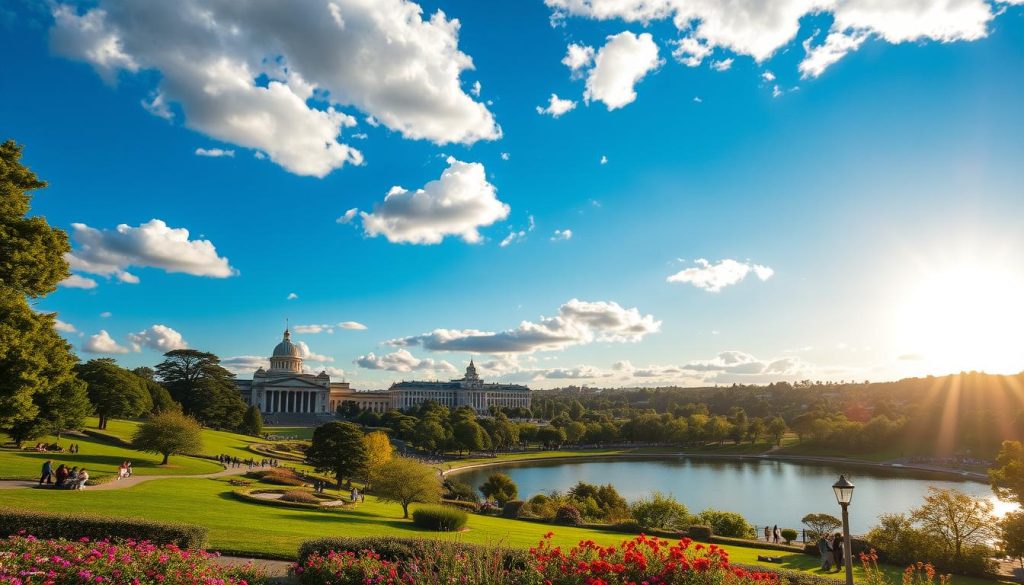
169 433
205 389
404 481
113 390
337 448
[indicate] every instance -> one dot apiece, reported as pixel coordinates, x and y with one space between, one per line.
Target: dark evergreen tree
252 422
113 390
337 448
205 389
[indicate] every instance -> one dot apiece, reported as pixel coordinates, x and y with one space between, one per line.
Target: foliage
601 503
568 515
820 524
205 389
898 540
443 518
500 488
460 490
955 518
405 481
433 563
113 390
277 476
158 395
789 535
252 422
299 497
378 452
728 524
511 508
1007 475
65 561
48 525
701 532
1011 535
168 433
915 574
337 448
468 435
660 511
62 407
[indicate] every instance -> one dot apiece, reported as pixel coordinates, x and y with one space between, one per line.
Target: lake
763 491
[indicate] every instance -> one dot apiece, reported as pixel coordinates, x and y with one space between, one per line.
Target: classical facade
469 390
286 389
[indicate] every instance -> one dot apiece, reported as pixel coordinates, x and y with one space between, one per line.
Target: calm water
764 492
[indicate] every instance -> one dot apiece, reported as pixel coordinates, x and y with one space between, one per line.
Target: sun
966 317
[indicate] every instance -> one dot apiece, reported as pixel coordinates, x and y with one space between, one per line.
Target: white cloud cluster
64 326
759 29
715 277
561 235
328 328
250 75
102 342
457 204
556 106
402 361
78 281
515 236
152 244
245 364
306 354
619 65
578 57
160 338
741 363
215 152
578 322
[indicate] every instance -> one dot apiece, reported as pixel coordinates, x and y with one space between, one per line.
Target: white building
467 391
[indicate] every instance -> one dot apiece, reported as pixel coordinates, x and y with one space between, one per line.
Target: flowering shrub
25 560
915 574
641 560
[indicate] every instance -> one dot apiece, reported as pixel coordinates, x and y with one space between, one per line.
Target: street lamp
844 494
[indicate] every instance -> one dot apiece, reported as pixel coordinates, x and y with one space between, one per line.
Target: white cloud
106 314
160 338
576 373
577 323
245 364
78 281
776 91
759 29
64 326
352 325
768 76
620 64
556 106
604 160
348 216
402 361
561 235
306 354
821 57
513 238
313 329
476 89
577 57
732 365
504 156
157 105
457 204
715 277
291 296
273 77
151 244
102 342
722 65
214 152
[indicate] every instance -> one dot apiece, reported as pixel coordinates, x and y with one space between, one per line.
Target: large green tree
338 448
168 433
252 422
205 389
33 358
113 390
404 481
62 407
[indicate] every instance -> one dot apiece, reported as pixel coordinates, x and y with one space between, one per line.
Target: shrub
100 561
392 548
898 541
700 532
277 477
467 506
568 514
460 490
443 518
299 497
629 527
511 509
500 488
725 523
789 535
45 525
660 511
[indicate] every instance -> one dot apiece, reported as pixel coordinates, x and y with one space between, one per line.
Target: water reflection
764 491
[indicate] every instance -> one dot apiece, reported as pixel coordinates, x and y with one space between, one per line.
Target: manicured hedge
700 532
467 506
443 518
393 548
511 509
72 527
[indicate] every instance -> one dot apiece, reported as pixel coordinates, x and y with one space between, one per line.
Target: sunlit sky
568 191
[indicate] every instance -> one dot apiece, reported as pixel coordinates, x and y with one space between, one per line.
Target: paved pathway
276 571
127 482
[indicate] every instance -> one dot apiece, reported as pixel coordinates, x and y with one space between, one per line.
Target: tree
958 519
378 452
113 390
1011 536
430 435
575 431
659 511
169 433
205 389
33 357
550 436
404 481
500 488
1007 475
252 422
469 435
503 432
820 525
337 448
576 410
756 429
63 407
776 429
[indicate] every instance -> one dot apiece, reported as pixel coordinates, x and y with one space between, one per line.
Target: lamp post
844 493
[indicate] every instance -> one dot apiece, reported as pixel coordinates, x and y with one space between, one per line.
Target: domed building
285 392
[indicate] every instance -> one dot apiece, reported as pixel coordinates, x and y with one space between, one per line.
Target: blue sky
848 209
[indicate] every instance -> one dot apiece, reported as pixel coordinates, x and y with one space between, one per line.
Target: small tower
471 375
286 357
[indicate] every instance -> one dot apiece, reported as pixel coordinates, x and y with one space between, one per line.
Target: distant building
467 391
285 389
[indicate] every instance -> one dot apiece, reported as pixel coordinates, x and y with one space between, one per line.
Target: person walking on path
825 551
776 534
47 476
837 551
767 534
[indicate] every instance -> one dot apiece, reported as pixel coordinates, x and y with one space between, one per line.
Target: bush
72 527
568 514
660 511
511 509
700 532
789 535
628 526
459 490
299 497
467 506
898 541
395 548
277 477
443 518
725 523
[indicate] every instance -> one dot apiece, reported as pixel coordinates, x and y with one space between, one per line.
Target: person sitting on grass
82 477
62 475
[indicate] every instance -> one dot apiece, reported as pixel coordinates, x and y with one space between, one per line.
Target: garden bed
272 497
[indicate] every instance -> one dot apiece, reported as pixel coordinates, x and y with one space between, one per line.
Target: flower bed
25 560
642 559
74 526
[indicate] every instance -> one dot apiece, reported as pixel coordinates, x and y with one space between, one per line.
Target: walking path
116 484
276 571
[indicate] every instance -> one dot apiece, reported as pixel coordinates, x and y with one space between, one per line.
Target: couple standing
831 552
